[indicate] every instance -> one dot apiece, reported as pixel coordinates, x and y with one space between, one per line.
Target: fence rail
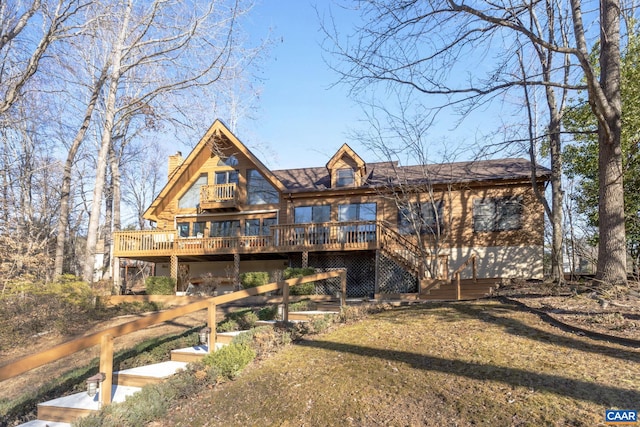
105 337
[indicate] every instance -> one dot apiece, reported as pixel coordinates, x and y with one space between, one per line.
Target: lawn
456 364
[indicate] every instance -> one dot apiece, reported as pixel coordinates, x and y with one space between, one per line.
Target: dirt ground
613 312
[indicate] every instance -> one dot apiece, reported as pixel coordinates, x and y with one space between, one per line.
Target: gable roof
216 131
345 150
391 173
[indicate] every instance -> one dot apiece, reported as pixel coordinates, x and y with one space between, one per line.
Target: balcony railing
356 235
218 196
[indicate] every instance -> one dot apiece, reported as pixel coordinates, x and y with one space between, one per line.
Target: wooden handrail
474 273
409 251
25 364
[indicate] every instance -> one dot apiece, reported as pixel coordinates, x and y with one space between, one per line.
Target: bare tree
155 50
420 46
422 199
19 60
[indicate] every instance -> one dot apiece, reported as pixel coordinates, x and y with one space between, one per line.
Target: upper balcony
219 196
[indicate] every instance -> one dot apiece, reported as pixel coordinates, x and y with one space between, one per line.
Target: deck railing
283 237
218 193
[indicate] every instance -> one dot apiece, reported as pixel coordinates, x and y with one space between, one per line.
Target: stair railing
106 336
474 273
398 246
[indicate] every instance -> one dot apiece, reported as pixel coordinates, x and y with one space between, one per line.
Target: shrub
229 361
227 326
264 339
303 288
268 313
316 324
160 285
245 319
302 305
254 278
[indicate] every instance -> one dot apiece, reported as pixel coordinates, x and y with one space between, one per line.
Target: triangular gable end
348 151
216 131
346 157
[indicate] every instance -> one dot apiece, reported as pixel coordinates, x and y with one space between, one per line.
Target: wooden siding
169 209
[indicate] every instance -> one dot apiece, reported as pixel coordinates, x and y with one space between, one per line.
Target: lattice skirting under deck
394 278
361 274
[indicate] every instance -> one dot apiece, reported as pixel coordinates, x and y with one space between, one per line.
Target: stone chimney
174 162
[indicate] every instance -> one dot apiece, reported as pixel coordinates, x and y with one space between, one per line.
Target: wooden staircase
408 255
64 410
61 412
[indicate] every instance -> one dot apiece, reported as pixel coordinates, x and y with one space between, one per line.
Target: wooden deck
284 238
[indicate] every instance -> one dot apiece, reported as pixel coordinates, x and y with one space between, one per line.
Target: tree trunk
105 145
65 192
612 256
106 231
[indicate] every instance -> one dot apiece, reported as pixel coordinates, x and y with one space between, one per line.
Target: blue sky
303 119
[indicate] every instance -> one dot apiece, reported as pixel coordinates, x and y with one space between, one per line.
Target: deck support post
173 270
211 323
305 259
106 367
236 270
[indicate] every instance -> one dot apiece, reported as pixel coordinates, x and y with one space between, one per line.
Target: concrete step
273 322
68 408
149 374
306 315
44 423
192 354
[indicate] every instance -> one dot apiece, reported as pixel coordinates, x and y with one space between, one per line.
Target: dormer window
345 178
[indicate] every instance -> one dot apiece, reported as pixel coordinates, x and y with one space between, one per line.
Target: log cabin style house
396 229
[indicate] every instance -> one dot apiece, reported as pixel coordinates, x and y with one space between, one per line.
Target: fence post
106 367
458 286
285 301
211 323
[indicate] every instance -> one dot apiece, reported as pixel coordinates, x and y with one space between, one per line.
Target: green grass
480 363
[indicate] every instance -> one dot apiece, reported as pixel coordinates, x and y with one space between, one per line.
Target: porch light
204 335
94 382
